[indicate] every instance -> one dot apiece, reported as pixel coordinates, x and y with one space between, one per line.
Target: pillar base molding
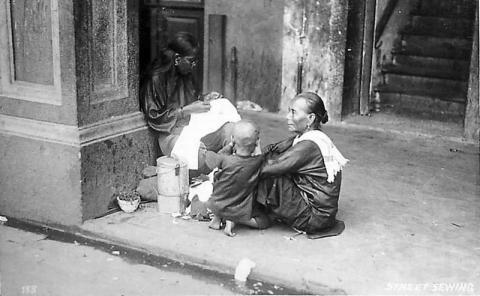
39 130
71 135
111 128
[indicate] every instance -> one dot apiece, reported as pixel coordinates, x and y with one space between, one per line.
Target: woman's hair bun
316 106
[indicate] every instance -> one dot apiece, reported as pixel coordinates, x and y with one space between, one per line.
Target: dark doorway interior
160 20
424 70
420 56
353 57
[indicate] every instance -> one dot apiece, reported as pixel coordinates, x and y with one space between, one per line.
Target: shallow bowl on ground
128 206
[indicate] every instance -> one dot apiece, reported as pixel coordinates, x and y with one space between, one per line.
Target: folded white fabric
333 159
201 124
204 190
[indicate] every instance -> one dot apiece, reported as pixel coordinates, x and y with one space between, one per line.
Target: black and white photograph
239 147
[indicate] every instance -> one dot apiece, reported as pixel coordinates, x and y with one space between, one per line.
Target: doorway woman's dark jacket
163 91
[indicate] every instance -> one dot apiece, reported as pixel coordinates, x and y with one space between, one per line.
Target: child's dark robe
234 186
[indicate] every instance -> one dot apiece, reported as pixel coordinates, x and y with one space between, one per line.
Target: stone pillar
115 143
472 111
321 25
71 132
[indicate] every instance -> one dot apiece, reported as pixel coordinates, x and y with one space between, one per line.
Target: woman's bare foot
216 223
229 225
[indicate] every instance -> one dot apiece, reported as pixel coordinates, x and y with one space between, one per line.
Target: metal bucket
172 177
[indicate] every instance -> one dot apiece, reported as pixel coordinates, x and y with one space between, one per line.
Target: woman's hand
211 96
196 107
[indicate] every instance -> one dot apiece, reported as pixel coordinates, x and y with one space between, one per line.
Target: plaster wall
39 180
254 27
112 165
39 140
107 46
42 26
324 24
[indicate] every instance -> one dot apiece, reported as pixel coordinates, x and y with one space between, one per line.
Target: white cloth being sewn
333 159
201 124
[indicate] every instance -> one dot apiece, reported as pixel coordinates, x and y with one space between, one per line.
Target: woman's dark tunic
294 186
163 92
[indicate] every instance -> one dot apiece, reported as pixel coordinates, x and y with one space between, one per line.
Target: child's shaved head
245 136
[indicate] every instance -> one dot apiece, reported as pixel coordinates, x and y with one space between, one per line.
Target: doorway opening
160 20
416 78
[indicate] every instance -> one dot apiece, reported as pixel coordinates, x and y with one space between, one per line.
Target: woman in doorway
300 182
168 96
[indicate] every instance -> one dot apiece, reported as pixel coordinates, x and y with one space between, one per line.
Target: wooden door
358 57
160 20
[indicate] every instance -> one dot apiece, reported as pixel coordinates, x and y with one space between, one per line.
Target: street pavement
32 264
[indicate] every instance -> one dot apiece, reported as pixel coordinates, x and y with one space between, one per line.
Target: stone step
440 47
440 27
428 67
447 8
444 89
423 107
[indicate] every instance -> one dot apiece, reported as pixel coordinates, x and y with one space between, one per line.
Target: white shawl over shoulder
333 159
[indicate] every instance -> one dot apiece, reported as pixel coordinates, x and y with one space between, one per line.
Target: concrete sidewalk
411 207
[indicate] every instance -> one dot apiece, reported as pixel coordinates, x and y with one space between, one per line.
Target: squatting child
234 186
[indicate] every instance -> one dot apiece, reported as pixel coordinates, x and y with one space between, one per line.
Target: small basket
128 206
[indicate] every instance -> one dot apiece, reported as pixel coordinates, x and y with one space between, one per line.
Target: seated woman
300 181
168 96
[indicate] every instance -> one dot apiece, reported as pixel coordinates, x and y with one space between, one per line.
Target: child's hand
227 149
